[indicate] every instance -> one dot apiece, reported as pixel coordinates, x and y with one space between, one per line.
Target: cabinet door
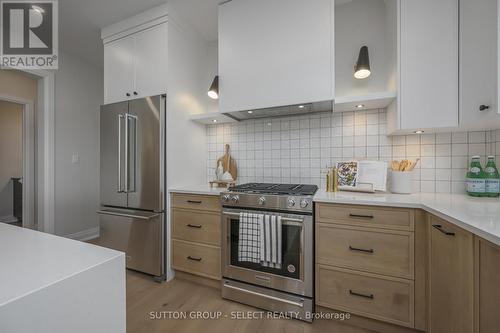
429 64
451 274
151 62
274 53
488 288
478 63
118 69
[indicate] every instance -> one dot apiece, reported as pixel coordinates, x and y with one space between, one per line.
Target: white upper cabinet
119 69
151 61
478 64
135 65
274 53
428 66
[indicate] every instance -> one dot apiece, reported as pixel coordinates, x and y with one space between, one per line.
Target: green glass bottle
492 188
476 182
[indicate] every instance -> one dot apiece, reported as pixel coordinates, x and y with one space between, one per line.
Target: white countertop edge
200 190
345 201
118 255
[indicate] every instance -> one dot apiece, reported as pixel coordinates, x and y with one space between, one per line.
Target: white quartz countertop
203 189
32 260
480 216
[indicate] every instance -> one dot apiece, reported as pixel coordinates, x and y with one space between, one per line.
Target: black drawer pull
361 216
194 226
194 201
360 250
440 228
353 293
193 258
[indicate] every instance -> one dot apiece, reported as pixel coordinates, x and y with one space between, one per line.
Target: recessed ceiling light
214 121
359 106
301 106
250 112
418 132
269 124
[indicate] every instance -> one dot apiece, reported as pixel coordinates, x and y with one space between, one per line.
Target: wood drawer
365 294
196 259
388 252
377 217
196 201
195 226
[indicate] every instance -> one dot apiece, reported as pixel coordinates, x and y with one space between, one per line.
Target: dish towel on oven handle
249 243
270 242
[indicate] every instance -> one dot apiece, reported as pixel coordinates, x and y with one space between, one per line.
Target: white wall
186 95
211 70
78 96
11 153
358 23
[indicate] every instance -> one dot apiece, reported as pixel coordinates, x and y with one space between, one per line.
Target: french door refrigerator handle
120 117
135 118
126 152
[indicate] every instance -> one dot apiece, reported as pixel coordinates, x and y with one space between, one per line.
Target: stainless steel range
267 248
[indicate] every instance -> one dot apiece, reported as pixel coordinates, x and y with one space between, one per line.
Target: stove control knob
304 203
291 202
235 199
262 201
226 198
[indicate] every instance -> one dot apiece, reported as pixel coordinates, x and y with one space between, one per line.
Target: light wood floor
145 295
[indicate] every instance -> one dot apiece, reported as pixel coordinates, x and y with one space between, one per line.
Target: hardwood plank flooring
145 296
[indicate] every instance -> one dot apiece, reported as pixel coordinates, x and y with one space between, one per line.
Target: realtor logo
29 36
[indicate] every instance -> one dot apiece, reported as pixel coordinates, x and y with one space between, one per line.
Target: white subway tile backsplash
299 148
443 161
460 149
477 137
460 137
428 139
428 150
442 138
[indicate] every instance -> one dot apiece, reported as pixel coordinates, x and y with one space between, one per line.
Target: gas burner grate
270 188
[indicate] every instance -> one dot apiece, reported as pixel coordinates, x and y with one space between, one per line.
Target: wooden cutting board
228 163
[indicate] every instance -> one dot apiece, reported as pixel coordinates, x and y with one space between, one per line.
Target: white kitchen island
50 284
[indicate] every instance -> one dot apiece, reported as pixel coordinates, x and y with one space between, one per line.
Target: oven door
296 272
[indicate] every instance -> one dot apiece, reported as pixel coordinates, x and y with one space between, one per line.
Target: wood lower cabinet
366 265
487 289
451 278
372 295
196 235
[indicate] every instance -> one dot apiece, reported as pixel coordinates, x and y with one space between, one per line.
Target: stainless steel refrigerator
132 214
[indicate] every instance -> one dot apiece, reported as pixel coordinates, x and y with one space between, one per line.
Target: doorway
18 96
17 178
38 142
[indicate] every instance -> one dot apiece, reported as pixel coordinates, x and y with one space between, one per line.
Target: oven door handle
301 304
290 219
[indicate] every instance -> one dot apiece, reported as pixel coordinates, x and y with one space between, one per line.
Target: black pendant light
362 67
213 92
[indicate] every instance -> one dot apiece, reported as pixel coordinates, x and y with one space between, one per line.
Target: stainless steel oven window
299 282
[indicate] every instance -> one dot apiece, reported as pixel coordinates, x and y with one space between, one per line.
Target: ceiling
80 21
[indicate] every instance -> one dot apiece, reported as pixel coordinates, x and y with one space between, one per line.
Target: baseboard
85 235
8 219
